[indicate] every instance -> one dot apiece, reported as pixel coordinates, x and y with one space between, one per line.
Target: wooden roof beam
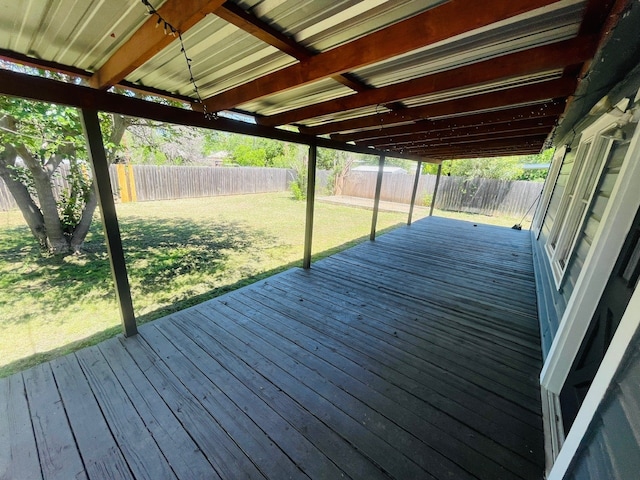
439 157
481 137
524 126
508 143
476 150
251 24
431 26
534 60
148 40
469 152
536 92
527 112
503 140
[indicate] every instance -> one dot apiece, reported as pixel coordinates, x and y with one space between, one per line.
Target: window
550 183
589 163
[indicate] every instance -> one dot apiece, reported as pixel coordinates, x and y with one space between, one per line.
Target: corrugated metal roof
223 56
79 33
518 34
84 34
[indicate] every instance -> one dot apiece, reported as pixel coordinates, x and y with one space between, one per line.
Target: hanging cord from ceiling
174 32
518 226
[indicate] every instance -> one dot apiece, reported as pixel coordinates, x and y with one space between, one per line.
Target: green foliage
426 200
36 140
43 128
257 152
24 176
298 185
502 168
75 197
213 141
163 144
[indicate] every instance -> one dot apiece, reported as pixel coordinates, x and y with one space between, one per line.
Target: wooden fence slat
478 195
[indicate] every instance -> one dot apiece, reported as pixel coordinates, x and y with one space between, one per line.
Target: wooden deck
414 356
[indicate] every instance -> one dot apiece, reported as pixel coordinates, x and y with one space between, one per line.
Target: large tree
39 141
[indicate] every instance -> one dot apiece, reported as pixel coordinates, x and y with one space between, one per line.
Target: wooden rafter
232 13
244 20
506 140
524 127
527 94
470 151
434 157
454 139
477 150
527 112
431 26
148 40
534 60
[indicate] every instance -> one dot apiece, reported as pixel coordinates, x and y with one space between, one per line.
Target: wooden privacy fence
163 183
478 195
132 183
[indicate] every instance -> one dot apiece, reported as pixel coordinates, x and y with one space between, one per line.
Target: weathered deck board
415 356
18 452
54 438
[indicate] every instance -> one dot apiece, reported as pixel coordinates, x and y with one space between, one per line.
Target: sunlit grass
179 253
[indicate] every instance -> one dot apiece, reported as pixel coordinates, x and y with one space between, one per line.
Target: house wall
552 301
611 448
607 442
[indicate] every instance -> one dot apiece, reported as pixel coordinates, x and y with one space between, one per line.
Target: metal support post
311 194
414 191
435 190
102 186
376 202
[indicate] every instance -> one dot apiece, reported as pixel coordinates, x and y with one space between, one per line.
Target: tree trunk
27 206
57 243
81 230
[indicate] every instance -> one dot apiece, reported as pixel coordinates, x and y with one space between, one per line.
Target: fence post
435 190
311 194
376 201
102 186
414 192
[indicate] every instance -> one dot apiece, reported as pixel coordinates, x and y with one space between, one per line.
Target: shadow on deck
414 356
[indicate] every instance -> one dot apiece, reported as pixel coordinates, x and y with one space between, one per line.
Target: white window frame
549 187
590 160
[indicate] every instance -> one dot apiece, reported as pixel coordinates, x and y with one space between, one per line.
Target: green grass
179 253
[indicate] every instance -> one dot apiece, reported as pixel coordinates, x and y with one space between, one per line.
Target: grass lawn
179 253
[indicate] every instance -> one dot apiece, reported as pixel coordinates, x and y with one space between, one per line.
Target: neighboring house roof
536 166
373 168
